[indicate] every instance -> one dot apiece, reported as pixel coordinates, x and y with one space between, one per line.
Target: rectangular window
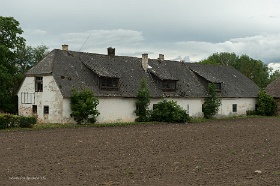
38 84
34 109
234 107
218 86
27 98
168 85
46 109
109 83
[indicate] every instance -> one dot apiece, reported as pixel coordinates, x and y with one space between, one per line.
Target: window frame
34 109
234 108
46 109
218 87
109 83
39 84
168 85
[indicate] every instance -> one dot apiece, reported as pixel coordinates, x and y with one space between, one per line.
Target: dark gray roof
77 69
44 66
233 82
273 88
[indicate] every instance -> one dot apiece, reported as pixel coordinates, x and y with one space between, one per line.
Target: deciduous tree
15 59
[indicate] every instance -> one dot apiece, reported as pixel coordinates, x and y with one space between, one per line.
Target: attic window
109 83
165 85
168 85
38 84
218 87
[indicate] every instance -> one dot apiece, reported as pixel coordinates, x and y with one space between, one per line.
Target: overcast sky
188 30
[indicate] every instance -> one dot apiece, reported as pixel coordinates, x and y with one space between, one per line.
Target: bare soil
219 152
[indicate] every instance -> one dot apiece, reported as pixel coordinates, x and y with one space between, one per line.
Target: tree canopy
15 59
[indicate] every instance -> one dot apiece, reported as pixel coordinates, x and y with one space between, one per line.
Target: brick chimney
145 61
65 47
111 51
161 57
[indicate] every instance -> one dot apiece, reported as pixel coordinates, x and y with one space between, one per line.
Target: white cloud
94 39
265 47
274 66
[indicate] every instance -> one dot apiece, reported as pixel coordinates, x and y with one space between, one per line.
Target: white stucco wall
112 109
117 109
50 96
122 109
243 104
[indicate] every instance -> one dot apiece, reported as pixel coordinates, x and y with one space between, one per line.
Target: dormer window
168 85
218 87
109 83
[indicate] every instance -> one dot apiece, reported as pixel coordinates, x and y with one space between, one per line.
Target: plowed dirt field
219 152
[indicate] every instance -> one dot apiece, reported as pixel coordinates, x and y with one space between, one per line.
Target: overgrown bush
83 105
27 122
12 121
251 112
211 103
169 111
266 104
142 103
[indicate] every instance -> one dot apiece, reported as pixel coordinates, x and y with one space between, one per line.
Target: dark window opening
168 85
46 110
38 84
34 109
109 83
234 107
155 106
218 86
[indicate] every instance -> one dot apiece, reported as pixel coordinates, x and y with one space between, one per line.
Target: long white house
115 80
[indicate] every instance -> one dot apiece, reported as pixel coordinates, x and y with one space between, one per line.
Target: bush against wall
169 111
83 105
266 104
142 103
13 121
211 103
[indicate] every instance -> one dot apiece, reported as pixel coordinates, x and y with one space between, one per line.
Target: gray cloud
181 29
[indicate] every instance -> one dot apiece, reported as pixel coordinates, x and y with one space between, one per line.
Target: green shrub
251 112
4 122
8 121
27 122
12 121
83 105
169 111
266 104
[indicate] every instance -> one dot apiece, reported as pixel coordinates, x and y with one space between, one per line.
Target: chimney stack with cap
111 52
145 62
65 47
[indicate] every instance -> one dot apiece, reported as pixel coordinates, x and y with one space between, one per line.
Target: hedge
13 121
